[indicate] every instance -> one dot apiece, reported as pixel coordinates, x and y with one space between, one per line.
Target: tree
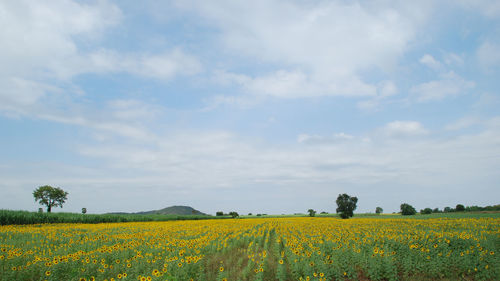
311 212
219 213
50 196
84 211
407 209
436 210
448 209
379 210
234 214
426 211
346 205
460 208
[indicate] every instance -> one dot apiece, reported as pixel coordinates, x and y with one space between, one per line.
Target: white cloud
450 85
453 59
322 48
39 38
430 62
385 89
296 84
206 164
317 139
404 129
160 66
463 123
488 54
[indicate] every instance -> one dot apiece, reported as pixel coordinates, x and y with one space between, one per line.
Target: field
255 249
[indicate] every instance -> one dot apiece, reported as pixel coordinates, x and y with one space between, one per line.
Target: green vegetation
50 196
8 217
346 205
285 249
407 210
311 212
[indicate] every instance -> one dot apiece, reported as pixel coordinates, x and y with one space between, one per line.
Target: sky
263 106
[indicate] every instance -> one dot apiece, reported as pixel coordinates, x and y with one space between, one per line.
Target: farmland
285 248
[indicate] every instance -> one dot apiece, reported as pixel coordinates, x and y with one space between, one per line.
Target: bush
407 209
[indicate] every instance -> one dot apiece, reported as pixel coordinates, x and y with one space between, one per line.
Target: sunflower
221 269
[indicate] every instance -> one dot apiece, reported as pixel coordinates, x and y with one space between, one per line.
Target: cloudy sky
255 106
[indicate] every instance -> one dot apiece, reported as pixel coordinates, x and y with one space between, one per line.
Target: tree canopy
50 196
346 205
407 209
311 212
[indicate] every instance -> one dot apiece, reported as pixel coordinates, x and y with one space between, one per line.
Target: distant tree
323 213
447 209
436 210
50 196
234 214
407 209
259 215
460 208
219 213
249 214
311 212
84 211
379 210
346 205
426 211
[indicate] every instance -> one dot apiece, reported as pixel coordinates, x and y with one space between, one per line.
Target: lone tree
50 196
407 210
234 214
460 208
311 212
379 210
346 205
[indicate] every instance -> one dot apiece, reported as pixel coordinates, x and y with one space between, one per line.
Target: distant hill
173 210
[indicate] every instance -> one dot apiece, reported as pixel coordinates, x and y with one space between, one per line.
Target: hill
173 210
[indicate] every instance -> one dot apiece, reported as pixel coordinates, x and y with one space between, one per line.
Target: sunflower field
255 249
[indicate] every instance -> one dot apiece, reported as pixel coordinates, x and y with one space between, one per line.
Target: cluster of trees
232 214
407 209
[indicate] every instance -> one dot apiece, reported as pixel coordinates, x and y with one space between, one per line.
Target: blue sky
253 106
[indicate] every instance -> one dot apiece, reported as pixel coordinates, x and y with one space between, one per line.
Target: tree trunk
49 207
